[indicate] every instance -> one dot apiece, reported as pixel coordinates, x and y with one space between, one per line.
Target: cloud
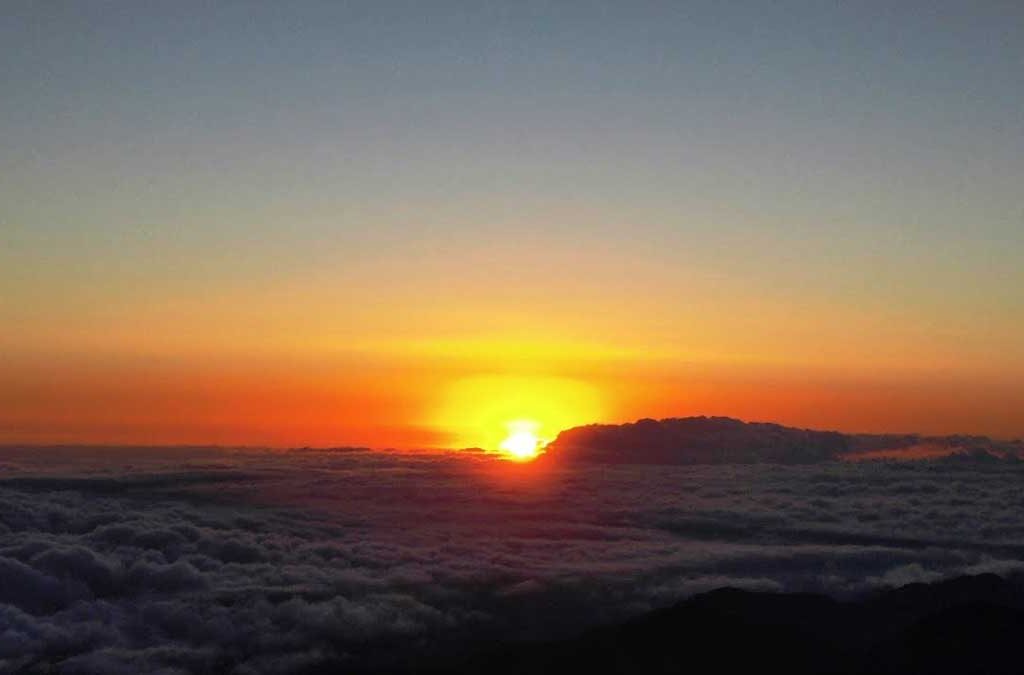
270 562
697 440
723 440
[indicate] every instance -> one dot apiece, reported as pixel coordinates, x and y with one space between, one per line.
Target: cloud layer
185 561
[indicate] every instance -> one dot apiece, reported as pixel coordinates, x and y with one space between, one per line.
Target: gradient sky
403 224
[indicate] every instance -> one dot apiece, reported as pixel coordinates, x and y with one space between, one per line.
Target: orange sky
460 396
405 352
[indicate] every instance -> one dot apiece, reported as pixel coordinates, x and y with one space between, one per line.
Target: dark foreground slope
724 440
967 625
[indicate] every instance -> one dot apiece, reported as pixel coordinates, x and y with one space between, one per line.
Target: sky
411 224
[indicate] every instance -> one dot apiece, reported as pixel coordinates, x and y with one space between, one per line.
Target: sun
515 416
522 442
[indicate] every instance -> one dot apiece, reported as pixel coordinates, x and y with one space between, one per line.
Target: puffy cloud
269 562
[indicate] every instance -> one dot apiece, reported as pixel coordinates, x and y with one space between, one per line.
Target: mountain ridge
968 624
727 440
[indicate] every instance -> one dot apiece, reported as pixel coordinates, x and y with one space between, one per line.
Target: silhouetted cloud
724 440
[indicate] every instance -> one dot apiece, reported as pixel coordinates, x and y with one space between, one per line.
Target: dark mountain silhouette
724 440
966 625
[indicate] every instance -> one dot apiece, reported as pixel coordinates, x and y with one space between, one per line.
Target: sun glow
516 415
522 442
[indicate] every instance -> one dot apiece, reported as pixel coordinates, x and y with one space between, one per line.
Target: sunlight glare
522 442
514 415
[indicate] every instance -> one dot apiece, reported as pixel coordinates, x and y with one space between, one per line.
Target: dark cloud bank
723 440
205 560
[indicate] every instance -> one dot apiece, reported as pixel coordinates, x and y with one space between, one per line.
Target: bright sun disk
522 442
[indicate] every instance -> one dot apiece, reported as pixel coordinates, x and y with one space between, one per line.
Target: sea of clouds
192 560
